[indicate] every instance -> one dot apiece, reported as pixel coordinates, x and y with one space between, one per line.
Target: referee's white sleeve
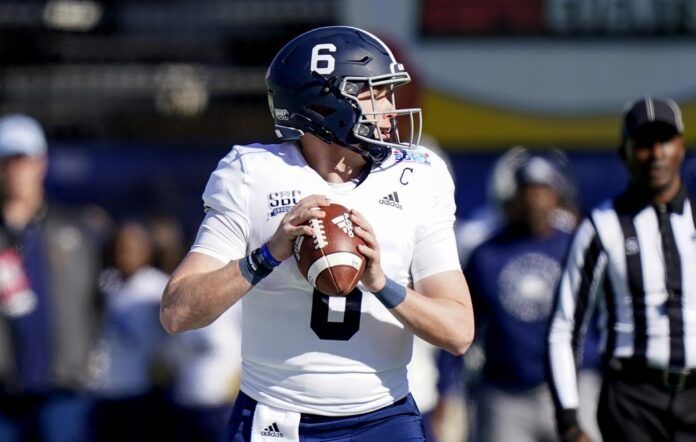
584 268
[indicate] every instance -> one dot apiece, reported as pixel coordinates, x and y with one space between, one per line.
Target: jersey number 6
336 331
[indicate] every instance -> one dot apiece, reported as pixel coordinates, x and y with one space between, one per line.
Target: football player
317 367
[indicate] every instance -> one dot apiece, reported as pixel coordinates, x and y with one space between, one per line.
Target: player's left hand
374 278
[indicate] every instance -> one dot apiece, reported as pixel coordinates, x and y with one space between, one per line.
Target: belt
670 378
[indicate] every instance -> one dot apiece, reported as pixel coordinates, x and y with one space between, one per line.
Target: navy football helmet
313 86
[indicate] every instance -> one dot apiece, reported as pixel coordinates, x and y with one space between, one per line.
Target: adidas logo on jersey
391 200
344 223
272 431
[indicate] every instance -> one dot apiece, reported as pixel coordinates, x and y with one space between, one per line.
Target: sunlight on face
379 108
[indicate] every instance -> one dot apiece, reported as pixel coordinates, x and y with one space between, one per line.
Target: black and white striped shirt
641 260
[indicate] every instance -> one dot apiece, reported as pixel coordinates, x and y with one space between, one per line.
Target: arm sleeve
436 246
221 237
224 233
584 269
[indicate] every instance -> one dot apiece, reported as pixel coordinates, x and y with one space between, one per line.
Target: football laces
319 236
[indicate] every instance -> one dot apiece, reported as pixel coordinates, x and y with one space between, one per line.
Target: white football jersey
304 351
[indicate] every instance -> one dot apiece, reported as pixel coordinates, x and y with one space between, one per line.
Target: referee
636 256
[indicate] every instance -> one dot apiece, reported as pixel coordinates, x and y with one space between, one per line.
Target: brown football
330 259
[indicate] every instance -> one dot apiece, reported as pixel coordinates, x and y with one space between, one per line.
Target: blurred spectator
130 339
434 377
500 190
205 364
422 380
169 242
470 233
207 370
48 274
512 277
101 224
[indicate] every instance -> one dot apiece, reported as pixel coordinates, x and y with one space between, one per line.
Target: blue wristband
254 268
392 294
266 254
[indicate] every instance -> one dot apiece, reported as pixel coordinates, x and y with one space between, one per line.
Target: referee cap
651 110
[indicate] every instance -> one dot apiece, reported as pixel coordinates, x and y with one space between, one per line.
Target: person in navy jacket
512 278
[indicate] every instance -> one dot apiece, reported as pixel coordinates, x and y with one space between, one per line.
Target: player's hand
293 225
374 278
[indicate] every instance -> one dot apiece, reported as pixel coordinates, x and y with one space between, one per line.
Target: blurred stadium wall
539 72
140 98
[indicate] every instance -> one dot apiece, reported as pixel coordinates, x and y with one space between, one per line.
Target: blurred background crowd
114 112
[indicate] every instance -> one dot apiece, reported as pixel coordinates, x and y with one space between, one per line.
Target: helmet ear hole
324 111
352 89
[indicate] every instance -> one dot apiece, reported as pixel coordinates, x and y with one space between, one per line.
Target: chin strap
370 151
377 153
373 153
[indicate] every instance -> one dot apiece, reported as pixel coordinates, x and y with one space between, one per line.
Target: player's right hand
294 224
374 278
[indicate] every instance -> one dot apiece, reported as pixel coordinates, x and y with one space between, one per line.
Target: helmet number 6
327 61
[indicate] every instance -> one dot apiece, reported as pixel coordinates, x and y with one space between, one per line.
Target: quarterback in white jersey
331 94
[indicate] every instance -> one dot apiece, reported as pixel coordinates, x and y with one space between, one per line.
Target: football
329 259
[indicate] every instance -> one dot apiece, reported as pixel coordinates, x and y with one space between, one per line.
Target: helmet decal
327 61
